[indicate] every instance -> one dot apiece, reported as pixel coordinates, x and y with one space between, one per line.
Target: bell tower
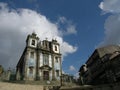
31 56
55 46
56 62
32 40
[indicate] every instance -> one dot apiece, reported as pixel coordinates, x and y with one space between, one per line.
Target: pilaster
53 68
26 64
37 64
60 66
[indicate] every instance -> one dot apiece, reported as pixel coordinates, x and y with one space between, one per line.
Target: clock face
56 48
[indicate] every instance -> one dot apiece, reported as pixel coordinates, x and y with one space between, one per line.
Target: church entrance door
46 75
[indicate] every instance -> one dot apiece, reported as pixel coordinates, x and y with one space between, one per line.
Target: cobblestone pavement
12 86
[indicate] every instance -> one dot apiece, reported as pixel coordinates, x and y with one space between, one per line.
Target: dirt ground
12 86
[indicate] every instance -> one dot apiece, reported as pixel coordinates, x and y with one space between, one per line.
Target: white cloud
69 27
71 30
62 20
110 6
72 68
112 23
65 47
15 25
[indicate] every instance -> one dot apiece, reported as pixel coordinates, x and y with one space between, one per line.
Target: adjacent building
102 67
1 70
41 60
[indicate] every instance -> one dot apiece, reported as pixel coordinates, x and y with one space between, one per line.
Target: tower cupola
32 40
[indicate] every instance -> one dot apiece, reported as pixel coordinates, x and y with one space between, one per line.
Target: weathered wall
101 87
107 87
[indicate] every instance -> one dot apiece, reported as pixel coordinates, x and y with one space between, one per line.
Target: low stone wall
77 88
5 76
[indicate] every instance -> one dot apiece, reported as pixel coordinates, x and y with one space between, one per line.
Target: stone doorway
46 75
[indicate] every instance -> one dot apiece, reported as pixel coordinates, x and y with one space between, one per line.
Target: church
41 60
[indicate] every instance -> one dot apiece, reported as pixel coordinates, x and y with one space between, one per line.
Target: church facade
41 60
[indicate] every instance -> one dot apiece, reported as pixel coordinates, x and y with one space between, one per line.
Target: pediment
45 67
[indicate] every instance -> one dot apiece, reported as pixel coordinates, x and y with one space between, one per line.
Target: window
45 59
31 71
55 48
32 55
57 73
33 42
56 59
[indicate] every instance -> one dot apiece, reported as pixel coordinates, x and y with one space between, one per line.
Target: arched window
55 48
33 42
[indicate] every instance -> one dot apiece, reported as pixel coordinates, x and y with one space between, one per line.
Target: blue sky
87 18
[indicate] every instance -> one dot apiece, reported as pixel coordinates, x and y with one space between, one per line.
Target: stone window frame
56 48
33 42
